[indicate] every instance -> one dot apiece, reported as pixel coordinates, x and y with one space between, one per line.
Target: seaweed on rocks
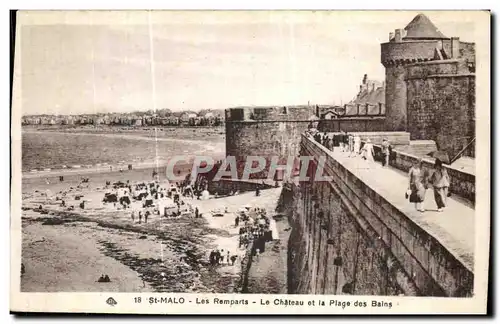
163 276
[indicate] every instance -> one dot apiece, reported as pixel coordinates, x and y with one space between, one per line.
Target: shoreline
105 169
215 150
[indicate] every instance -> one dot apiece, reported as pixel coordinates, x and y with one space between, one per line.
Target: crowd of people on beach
218 256
144 200
253 225
152 197
419 178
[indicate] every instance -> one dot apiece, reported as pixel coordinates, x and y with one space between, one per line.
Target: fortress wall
441 107
340 225
356 124
265 139
395 98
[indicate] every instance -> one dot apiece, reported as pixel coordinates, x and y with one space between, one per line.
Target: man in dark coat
217 256
212 257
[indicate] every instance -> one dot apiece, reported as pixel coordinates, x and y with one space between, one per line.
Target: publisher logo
111 301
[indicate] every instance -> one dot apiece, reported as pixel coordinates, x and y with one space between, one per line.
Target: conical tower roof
422 28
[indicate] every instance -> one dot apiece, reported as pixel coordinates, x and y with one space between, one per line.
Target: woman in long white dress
368 152
357 145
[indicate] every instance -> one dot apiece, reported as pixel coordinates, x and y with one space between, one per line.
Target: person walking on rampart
385 152
416 185
357 145
346 142
368 151
335 141
332 143
317 137
440 182
351 145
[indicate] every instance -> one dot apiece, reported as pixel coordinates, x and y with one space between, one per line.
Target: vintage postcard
251 162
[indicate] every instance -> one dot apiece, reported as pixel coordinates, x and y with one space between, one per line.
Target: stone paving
454 228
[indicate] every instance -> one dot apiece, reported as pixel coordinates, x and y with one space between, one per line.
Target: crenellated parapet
402 53
269 113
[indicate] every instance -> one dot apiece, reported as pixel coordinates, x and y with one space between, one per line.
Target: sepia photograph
278 160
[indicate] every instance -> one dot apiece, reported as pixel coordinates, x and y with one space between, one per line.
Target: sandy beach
68 250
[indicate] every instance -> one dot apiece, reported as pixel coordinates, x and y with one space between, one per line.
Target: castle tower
419 41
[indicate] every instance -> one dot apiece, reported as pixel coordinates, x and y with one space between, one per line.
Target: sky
89 62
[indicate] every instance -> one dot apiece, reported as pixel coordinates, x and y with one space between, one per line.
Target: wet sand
64 259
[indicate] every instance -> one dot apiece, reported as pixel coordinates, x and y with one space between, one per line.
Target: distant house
330 114
209 119
184 118
173 120
194 120
187 118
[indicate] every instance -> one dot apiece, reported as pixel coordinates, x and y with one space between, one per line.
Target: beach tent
166 204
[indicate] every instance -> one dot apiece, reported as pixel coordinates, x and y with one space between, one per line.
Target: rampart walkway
453 228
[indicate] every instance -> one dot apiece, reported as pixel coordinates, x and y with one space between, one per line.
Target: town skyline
100 65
